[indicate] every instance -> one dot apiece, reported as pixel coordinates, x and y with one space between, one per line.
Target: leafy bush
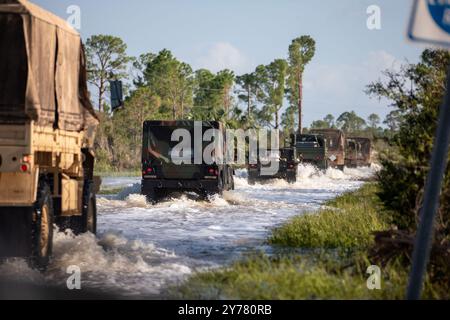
416 92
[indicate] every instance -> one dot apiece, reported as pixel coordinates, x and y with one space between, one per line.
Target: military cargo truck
335 143
47 127
352 153
359 152
312 149
287 167
163 175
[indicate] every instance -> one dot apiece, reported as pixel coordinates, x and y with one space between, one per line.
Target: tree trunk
182 109
277 120
249 102
100 96
174 114
300 100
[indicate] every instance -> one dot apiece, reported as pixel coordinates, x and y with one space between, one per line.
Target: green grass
118 173
347 222
104 192
291 278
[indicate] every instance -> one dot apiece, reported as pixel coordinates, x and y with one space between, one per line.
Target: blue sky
240 35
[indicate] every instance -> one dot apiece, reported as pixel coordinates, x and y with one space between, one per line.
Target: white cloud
340 87
223 55
345 80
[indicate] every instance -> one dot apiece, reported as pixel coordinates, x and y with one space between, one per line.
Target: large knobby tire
42 228
89 214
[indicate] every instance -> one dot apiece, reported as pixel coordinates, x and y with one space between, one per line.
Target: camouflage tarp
42 69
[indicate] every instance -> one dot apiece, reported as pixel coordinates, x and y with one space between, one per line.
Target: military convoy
47 131
162 175
47 128
325 148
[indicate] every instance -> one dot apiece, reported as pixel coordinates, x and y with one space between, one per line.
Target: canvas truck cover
42 69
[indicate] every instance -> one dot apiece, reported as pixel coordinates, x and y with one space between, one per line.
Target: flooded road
141 248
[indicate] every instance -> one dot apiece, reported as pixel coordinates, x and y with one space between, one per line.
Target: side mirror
116 94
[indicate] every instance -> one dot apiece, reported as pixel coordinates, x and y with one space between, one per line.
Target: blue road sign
430 22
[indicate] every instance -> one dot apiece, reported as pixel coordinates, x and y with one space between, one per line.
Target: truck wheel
42 228
220 185
151 196
89 214
291 178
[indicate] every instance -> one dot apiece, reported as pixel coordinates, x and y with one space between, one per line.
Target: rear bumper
282 174
15 231
182 185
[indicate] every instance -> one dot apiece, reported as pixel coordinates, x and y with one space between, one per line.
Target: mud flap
15 231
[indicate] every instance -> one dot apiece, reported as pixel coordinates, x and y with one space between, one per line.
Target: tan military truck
359 152
336 143
47 127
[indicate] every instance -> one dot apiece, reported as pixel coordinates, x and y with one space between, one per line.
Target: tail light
149 171
253 166
26 162
212 172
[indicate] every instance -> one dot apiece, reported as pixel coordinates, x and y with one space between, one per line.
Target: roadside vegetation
323 255
347 222
376 225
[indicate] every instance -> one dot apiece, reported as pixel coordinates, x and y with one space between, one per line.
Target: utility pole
300 103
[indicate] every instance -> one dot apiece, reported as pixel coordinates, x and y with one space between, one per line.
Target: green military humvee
287 167
312 149
162 174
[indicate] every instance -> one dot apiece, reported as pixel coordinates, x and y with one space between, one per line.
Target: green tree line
160 86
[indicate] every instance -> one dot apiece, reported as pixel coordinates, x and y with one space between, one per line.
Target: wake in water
143 247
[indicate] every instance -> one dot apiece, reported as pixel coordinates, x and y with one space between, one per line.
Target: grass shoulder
337 238
346 222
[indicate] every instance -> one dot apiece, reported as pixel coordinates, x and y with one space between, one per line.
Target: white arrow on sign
430 22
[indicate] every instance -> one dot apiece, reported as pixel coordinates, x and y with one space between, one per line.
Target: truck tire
151 196
291 178
89 214
220 184
42 228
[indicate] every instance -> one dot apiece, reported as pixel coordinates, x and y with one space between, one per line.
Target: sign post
430 23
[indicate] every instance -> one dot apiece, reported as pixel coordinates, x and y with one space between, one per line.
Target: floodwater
140 249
